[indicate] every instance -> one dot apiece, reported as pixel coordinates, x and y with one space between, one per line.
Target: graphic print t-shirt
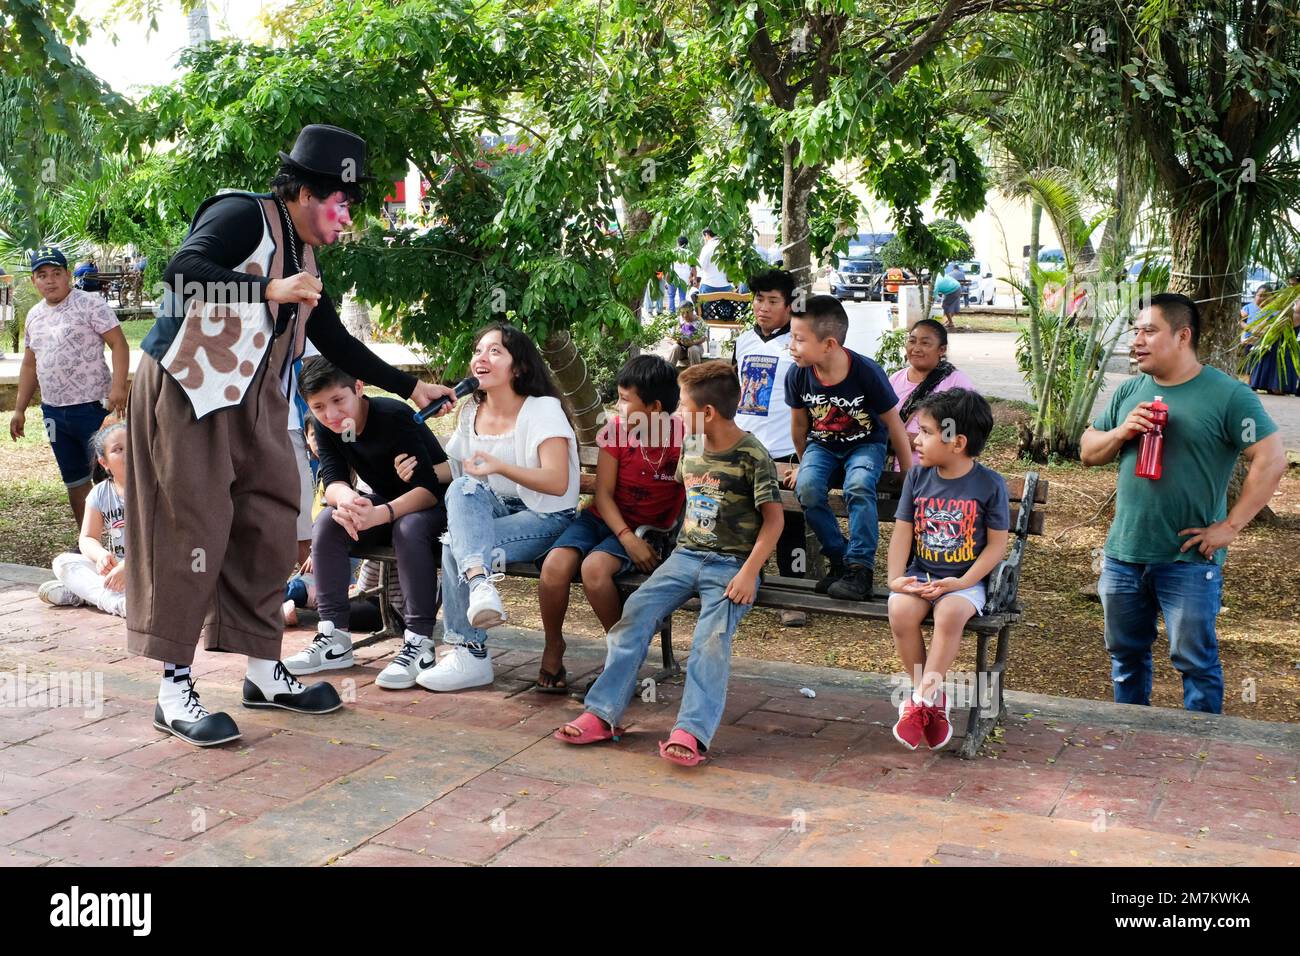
724 494
757 373
105 499
951 517
846 415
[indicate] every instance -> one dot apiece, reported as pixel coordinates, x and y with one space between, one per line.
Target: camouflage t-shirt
724 492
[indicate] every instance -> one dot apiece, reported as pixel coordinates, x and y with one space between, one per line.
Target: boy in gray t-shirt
951 529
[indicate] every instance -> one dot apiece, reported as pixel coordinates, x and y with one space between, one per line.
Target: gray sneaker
331 650
57 594
416 655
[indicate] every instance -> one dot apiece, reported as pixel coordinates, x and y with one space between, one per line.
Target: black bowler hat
329 152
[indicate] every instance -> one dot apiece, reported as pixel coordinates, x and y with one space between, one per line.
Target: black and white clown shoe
180 712
285 691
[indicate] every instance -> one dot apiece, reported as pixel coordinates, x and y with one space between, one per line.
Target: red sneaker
938 729
910 731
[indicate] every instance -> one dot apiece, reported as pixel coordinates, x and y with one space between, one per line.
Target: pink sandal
682 739
591 730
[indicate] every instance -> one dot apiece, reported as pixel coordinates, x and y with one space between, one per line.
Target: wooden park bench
1002 610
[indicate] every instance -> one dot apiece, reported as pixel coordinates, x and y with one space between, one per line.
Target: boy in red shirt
636 485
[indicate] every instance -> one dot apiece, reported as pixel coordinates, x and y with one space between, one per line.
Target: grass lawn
1057 649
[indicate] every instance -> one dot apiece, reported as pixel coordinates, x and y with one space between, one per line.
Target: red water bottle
1153 442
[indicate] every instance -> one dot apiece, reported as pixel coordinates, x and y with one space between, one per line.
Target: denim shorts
70 428
588 534
976 594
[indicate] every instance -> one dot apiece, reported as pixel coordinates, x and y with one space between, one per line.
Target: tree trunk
355 316
796 189
570 371
1035 234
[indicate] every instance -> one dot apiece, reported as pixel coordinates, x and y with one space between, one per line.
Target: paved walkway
989 358
417 779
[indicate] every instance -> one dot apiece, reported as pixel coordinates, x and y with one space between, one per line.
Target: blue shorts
588 533
70 428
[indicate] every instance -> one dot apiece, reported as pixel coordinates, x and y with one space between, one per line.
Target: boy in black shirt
364 435
843 411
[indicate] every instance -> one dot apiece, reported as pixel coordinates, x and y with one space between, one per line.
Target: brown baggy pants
213 507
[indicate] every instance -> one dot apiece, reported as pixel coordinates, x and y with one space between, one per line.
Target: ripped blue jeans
682 576
488 531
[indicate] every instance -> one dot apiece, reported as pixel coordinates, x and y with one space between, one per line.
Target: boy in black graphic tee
952 520
843 414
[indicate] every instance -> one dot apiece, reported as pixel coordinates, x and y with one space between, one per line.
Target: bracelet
625 531
392 515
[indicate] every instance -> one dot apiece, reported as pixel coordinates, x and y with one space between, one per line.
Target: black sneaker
836 572
854 586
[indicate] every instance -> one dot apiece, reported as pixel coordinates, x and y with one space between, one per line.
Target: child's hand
482 465
642 554
743 588
17 425
105 562
362 512
791 477
905 584
345 518
405 465
939 587
115 580
305 568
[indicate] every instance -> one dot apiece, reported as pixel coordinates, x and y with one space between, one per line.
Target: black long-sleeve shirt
225 234
390 430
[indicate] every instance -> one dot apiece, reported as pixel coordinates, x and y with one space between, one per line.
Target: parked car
856 274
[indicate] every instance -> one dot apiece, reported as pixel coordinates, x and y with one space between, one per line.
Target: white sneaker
56 594
415 656
332 650
457 670
485 609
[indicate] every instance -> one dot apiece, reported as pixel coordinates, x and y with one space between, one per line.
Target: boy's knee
859 486
595 572
811 492
324 525
558 567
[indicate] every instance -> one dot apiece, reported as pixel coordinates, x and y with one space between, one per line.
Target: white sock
917 698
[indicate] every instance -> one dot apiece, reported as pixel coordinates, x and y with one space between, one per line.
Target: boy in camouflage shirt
732 521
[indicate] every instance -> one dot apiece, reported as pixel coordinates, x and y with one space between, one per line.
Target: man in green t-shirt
1170 535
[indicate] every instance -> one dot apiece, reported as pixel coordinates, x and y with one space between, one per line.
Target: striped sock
478 650
178 673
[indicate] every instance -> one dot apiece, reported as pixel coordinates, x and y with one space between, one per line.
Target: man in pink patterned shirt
65 335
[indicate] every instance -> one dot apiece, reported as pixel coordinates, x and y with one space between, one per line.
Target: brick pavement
473 779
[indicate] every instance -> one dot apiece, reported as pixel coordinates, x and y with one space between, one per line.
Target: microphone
463 389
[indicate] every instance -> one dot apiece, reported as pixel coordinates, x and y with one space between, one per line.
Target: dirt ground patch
1057 649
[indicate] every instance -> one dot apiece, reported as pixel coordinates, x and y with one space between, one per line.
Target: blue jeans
487 531
676 296
682 576
1188 594
716 288
860 469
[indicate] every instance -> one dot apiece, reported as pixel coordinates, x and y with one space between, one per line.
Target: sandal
557 683
682 739
591 730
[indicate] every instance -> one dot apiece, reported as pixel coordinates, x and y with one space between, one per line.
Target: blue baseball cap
48 256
